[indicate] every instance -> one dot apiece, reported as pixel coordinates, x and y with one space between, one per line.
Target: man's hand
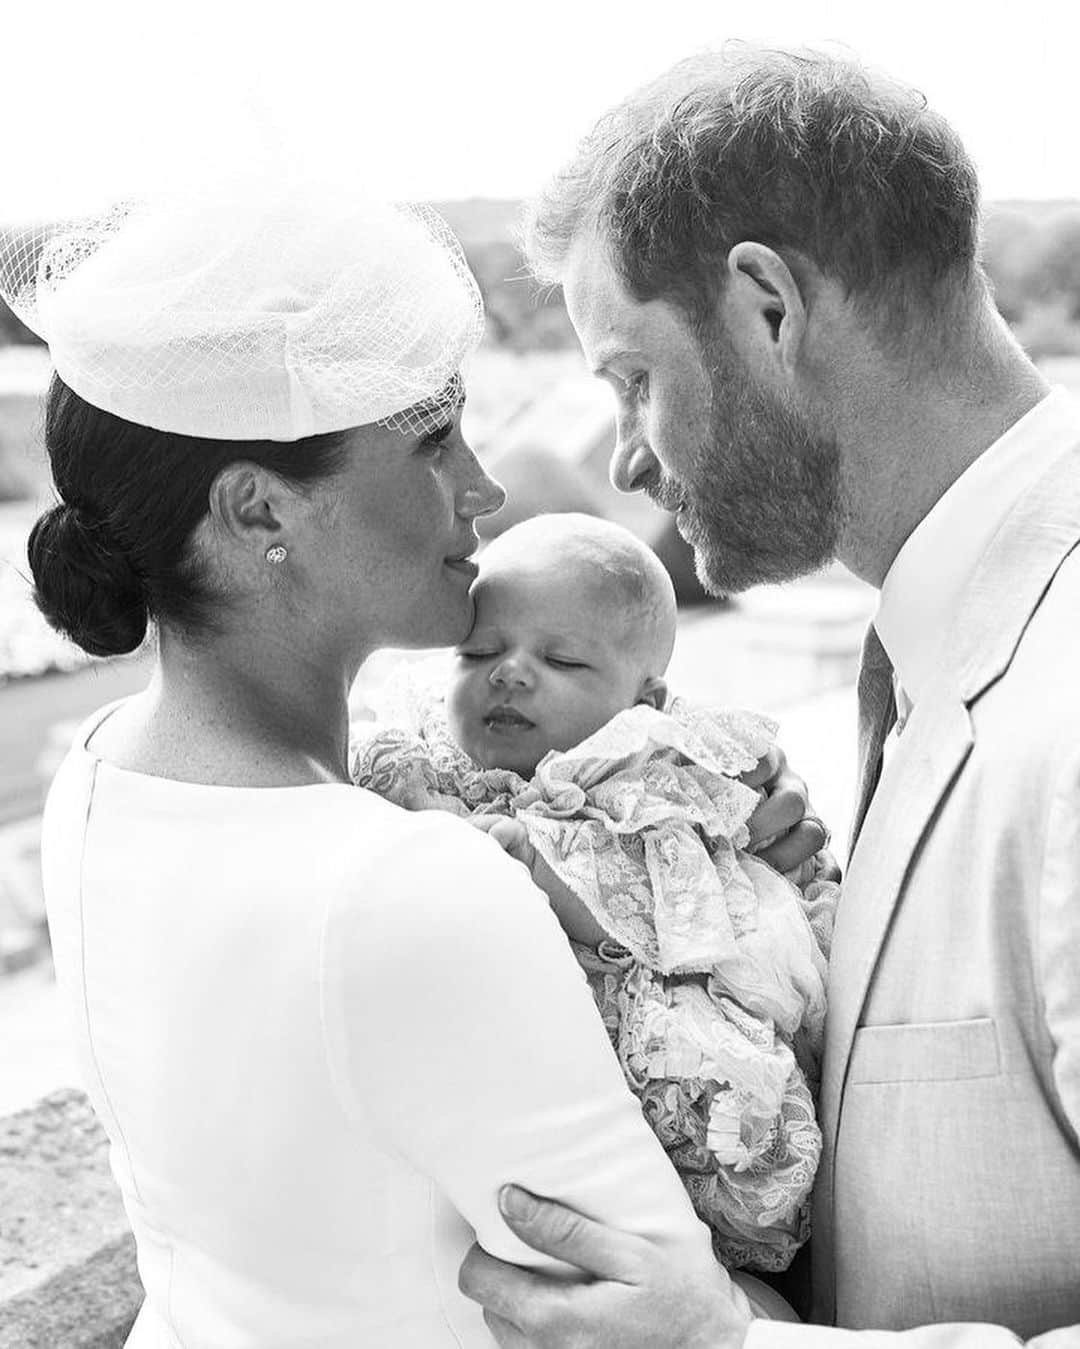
638 1295
783 832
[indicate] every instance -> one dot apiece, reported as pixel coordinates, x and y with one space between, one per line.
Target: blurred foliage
1031 251
518 317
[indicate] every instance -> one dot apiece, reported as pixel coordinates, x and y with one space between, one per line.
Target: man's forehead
604 314
608 320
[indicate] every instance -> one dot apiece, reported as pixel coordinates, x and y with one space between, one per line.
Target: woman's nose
633 463
480 494
510 672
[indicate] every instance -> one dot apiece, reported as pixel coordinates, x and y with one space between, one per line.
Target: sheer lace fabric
711 984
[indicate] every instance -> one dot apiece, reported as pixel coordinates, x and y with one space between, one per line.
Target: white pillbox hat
255 312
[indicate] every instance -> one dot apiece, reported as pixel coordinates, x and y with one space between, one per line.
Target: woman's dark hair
115 551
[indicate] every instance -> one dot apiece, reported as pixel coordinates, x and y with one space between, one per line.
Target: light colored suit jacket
950 1187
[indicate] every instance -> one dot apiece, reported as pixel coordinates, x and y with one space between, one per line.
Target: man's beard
762 498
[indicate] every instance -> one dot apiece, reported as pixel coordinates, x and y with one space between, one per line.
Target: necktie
877 716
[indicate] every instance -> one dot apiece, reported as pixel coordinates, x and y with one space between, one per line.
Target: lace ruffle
712 985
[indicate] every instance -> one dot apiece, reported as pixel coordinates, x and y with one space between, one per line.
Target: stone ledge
67 1258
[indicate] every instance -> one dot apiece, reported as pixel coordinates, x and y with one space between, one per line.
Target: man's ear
249 504
764 307
654 692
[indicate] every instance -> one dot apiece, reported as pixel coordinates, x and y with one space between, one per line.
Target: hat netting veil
255 315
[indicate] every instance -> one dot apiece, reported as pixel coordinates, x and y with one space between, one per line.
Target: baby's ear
654 692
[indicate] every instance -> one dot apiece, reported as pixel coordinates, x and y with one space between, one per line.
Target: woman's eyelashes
434 440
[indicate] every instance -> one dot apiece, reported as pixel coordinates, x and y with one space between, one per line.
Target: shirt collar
922 593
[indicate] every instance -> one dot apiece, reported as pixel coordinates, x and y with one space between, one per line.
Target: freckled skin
398 509
755 490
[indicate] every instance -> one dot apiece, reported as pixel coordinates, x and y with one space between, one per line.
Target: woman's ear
764 307
249 504
654 692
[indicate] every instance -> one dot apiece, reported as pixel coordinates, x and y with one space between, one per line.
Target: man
772 258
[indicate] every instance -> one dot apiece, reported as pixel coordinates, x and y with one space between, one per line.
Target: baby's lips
507 716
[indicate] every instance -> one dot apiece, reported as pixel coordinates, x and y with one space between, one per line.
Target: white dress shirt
924 589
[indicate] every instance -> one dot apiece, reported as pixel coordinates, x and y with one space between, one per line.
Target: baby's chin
524 765
481 749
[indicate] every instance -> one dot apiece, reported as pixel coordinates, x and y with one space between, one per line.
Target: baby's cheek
458 706
583 716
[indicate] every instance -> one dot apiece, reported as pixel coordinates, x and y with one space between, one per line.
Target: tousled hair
806 153
117 549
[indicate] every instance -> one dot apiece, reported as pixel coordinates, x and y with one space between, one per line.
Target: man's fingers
500 1288
504 1332
778 813
803 874
795 847
772 763
566 1235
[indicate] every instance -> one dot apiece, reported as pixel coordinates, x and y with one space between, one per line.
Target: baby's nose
510 671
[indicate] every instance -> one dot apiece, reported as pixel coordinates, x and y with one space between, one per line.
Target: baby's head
575 621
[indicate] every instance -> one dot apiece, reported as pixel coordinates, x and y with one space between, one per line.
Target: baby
707 966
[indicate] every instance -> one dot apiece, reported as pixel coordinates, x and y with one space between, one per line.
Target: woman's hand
511 835
574 918
639 1295
783 832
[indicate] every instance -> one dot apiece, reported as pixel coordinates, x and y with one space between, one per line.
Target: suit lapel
1015 572
925 763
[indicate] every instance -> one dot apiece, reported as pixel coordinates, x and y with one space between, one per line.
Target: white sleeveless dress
321 1032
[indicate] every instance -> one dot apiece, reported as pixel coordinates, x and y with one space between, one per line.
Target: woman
319 1031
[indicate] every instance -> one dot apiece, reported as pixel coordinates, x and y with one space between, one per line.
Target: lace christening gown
712 981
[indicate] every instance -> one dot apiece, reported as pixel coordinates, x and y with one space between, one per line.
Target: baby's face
549 660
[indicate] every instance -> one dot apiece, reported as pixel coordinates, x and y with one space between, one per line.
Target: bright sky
469 98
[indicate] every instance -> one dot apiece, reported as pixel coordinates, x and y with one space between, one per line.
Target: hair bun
85 586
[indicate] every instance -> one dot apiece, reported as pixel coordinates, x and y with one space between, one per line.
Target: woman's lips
507 719
464 566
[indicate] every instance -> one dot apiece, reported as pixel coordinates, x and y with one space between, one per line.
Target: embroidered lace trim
712 981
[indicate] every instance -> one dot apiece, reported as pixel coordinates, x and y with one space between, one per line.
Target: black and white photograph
539 676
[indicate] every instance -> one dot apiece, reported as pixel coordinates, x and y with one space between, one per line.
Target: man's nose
510 672
632 463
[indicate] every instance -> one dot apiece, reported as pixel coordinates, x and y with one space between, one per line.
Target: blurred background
469 107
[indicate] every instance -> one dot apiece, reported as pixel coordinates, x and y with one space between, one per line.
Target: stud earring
276 554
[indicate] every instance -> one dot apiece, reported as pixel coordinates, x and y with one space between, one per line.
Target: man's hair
803 152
